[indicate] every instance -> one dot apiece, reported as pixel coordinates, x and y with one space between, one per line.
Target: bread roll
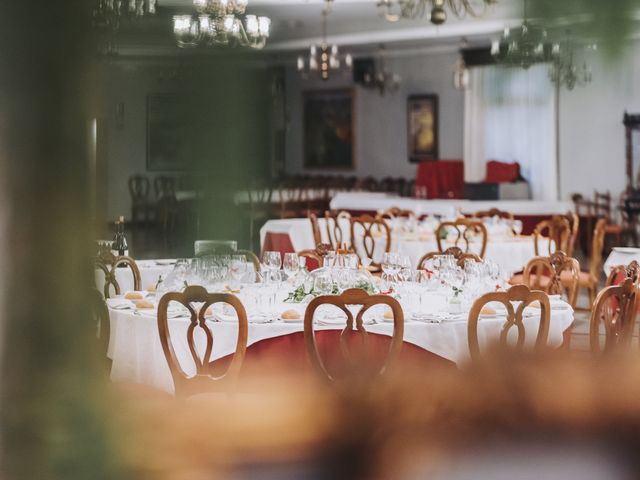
134 296
388 314
486 310
143 304
290 315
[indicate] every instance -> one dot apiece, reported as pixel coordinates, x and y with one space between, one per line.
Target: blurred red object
441 179
501 172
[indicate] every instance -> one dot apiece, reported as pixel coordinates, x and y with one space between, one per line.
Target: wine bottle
119 247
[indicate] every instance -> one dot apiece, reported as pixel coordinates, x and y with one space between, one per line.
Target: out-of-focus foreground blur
319 239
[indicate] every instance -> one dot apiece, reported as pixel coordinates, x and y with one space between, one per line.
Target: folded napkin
119 303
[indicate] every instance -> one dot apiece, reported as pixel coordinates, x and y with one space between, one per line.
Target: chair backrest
109 266
196 299
456 252
139 186
364 231
613 315
395 212
315 228
259 194
251 257
621 272
574 223
356 364
597 246
312 255
602 204
464 230
514 317
545 273
494 212
333 225
203 248
558 232
164 186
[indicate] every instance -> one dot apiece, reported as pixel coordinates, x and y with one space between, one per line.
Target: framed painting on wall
328 129
167 133
422 127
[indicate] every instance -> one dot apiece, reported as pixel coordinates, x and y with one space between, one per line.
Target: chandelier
521 47
221 22
107 14
323 58
380 78
393 10
564 71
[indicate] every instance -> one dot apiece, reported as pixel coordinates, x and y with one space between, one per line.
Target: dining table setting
435 303
506 245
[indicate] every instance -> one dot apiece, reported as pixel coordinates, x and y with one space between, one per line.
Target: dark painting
422 128
167 133
328 129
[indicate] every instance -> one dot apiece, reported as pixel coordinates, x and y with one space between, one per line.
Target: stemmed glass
390 267
291 265
272 261
237 268
517 227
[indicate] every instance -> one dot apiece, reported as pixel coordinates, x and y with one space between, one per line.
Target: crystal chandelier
107 14
521 47
221 22
382 79
393 10
564 71
323 58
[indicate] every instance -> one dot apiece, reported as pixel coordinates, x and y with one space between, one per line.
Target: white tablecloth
621 257
137 354
512 254
367 201
150 270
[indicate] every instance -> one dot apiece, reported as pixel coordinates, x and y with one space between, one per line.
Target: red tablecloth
442 179
289 352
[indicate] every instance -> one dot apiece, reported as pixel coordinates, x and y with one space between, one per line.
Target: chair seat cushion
584 279
533 279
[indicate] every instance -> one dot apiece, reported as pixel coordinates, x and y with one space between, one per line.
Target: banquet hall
319 239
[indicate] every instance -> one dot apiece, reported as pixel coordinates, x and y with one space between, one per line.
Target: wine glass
517 227
237 267
291 264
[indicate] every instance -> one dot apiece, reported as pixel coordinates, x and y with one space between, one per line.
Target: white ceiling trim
453 30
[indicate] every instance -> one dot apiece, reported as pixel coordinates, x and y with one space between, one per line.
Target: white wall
381 121
592 138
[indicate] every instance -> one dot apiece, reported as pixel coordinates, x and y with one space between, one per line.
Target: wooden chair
293 199
167 204
371 227
203 380
456 252
367 184
557 230
574 223
142 208
333 224
548 274
357 365
312 255
615 310
315 228
621 272
395 212
464 228
518 293
109 266
494 212
591 278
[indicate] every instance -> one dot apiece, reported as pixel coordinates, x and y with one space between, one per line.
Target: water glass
291 264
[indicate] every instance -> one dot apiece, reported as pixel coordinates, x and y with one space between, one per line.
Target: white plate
626 250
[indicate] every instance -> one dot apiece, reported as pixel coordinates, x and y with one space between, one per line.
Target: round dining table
137 356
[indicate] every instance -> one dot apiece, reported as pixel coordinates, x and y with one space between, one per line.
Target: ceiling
355 23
